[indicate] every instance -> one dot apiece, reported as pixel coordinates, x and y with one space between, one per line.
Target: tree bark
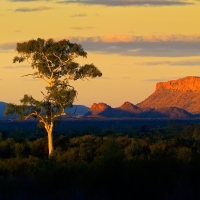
50 140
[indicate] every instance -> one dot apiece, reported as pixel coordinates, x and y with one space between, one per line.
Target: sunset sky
135 43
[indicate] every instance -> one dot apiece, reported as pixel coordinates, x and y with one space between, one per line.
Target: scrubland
138 163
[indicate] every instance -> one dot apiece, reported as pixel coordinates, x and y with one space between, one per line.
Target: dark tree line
155 166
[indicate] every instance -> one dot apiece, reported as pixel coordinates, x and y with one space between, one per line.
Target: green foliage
50 54
184 154
134 149
94 167
7 148
54 63
78 149
1 137
22 149
109 150
39 147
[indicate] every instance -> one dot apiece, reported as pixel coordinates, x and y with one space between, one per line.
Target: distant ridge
172 99
183 93
102 110
2 108
80 110
129 107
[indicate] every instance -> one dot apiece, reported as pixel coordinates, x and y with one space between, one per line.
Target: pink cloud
123 38
129 2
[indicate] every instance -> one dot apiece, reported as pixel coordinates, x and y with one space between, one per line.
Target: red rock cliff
183 93
97 108
191 83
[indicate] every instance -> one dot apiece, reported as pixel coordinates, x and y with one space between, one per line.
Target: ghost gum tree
53 62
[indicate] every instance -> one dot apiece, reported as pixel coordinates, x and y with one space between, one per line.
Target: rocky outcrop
129 107
190 83
183 93
100 110
129 110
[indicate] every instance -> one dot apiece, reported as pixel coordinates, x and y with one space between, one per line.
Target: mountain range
129 110
172 99
76 110
182 93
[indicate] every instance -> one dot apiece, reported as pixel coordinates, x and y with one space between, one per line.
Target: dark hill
2 108
80 110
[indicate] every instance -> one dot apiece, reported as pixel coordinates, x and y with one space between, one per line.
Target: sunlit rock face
182 93
190 83
128 106
129 110
104 110
100 110
97 108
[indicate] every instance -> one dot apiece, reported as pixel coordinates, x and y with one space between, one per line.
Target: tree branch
28 75
56 69
41 119
42 54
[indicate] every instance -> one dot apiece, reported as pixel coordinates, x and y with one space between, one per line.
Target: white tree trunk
50 139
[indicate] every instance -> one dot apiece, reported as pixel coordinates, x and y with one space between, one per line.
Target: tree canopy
54 63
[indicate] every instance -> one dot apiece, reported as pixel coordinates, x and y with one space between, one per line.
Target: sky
135 44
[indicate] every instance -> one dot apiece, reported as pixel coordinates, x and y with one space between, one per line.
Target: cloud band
26 9
152 45
129 2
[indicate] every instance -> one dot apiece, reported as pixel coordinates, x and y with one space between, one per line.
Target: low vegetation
149 164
